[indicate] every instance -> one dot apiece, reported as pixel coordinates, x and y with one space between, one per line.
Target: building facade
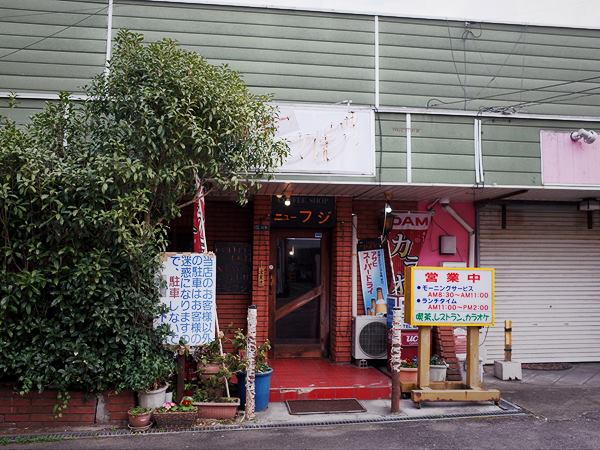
478 114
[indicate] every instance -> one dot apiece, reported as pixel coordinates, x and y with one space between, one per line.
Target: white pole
396 359
108 35
251 363
376 61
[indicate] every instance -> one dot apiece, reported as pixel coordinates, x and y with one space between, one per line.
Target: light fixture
588 136
287 201
388 208
291 252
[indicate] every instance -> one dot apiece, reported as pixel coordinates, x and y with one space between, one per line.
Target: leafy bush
85 191
77 277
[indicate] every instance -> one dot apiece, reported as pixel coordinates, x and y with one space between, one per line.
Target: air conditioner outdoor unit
369 337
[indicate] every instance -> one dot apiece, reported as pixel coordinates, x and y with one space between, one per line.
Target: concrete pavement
564 406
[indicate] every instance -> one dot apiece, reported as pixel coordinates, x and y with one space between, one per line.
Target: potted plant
152 379
171 415
263 370
210 397
408 371
208 358
139 417
437 368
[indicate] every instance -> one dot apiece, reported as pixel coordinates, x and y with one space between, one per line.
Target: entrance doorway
299 322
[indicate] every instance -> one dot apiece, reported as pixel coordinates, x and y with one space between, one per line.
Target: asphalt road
561 417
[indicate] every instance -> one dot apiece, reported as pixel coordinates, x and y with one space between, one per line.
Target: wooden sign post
437 296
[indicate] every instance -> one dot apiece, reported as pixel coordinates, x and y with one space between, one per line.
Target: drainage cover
347 405
546 366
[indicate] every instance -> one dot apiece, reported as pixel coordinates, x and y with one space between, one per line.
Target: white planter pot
168 397
153 399
437 373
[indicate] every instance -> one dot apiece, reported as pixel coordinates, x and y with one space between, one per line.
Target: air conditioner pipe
445 203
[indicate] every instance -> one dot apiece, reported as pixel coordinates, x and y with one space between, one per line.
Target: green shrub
78 293
85 191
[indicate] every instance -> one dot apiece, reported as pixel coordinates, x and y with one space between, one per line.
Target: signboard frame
307 129
304 211
410 297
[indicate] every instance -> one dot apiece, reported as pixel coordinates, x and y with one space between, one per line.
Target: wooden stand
471 391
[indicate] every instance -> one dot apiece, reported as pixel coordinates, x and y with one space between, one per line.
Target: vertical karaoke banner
405 240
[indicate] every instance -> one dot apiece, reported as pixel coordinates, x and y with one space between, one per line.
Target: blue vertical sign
374 281
189 291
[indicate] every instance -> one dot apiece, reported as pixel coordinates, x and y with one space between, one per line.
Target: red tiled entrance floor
308 379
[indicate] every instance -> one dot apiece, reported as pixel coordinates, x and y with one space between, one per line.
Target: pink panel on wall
568 162
444 224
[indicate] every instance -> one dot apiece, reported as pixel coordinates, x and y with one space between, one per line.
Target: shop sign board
327 139
374 281
304 211
188 289
405 240
450 296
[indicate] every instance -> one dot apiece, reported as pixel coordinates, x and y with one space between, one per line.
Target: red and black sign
303 212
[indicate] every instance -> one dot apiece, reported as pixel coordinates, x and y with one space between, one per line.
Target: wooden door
299 318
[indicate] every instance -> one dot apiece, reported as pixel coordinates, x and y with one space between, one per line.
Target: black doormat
546 366
346 405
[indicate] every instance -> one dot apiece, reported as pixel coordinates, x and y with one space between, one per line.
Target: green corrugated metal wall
316 57
296 56
51 45
22 110
511 149
326 58
425 59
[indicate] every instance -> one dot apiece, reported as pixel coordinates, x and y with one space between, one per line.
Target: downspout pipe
446 205
354 264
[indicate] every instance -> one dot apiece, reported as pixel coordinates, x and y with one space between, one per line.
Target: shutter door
547 281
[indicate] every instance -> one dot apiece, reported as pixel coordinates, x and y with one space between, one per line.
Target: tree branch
195 198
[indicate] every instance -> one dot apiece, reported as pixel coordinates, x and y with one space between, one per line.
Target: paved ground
564 406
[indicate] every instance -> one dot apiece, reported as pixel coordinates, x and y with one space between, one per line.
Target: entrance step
311 379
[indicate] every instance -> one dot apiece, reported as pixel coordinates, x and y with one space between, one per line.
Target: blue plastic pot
262 385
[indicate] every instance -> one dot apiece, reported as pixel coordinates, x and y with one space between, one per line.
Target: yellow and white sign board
450 296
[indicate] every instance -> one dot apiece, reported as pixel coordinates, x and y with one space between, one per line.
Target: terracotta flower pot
208 370
217 410
408 375
140 420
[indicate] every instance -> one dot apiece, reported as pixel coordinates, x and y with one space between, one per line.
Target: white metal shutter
547 281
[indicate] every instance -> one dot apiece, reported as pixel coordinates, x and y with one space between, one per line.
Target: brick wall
36 409
443 345
260 264
230 222
226 221
341 283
